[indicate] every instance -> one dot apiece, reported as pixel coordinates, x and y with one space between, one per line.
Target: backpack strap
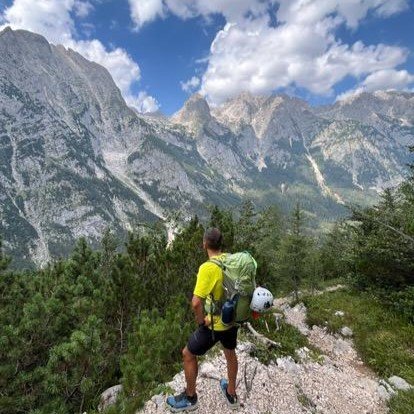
213 302
217 262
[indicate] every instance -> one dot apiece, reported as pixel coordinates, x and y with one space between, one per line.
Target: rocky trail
335 382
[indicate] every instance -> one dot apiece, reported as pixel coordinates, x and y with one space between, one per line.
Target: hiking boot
182 402
231 400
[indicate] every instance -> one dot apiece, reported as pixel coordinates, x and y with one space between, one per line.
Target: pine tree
292 254
246 228
4 260
223 220
266 244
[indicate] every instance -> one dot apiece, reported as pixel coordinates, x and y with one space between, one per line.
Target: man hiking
210 330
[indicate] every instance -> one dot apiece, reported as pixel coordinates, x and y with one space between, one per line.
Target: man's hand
197 305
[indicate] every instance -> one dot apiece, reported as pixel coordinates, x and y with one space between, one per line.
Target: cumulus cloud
145 11
301 51
253 53
387 79
143 102
190 85
53 19
83 8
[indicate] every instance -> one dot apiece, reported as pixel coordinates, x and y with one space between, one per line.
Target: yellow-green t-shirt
210 281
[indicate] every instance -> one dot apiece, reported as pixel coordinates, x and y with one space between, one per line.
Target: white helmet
262 300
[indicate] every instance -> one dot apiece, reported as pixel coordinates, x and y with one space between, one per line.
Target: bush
403 302
154 352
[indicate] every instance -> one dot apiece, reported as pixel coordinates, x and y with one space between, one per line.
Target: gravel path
338 383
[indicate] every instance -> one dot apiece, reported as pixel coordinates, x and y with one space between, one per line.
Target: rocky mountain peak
195 113
375 108
75 158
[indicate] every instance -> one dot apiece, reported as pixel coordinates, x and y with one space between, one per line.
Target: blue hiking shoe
182 402
231 400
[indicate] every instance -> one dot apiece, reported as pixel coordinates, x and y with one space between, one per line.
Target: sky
159 52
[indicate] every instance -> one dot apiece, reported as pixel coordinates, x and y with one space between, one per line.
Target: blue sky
319 50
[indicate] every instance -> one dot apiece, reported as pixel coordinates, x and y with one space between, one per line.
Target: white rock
383 393
288 364
109 396
300 308
345 331
399 383
245 347
387 386
303 353
209 370
339 313
158 399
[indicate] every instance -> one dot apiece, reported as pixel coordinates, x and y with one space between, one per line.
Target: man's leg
198 344
190 371
232 367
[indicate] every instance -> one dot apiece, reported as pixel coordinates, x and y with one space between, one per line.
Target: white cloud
302 50
387 79
144 11
351 11
53 19
143 102
83 8
264 58
190 85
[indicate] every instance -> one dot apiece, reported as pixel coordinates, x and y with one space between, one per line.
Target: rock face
75 158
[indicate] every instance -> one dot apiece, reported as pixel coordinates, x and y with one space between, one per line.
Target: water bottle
227 312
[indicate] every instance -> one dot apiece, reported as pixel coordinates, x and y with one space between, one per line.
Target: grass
288 336
384 339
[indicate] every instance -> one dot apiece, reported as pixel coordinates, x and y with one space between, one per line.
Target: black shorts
202 340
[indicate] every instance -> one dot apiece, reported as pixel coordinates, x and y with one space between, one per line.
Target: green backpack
239 282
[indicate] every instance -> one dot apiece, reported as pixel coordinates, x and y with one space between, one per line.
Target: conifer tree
4 260
293 253
223 220
266 244
245 229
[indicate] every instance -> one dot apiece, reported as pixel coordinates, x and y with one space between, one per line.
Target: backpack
239 282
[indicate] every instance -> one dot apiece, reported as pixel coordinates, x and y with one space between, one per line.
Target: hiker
210 330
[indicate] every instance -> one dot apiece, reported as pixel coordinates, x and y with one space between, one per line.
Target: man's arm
197 305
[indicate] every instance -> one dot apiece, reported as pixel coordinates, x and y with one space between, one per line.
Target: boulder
109 397
345 331
158 400
399 383
383 393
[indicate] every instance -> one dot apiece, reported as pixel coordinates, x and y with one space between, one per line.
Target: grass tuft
288 336
384 339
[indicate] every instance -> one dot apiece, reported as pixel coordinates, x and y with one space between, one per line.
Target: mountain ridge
76 159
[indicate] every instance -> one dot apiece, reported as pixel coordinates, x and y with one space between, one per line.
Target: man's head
213 239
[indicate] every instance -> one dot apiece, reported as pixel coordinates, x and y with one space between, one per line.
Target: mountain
76 159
